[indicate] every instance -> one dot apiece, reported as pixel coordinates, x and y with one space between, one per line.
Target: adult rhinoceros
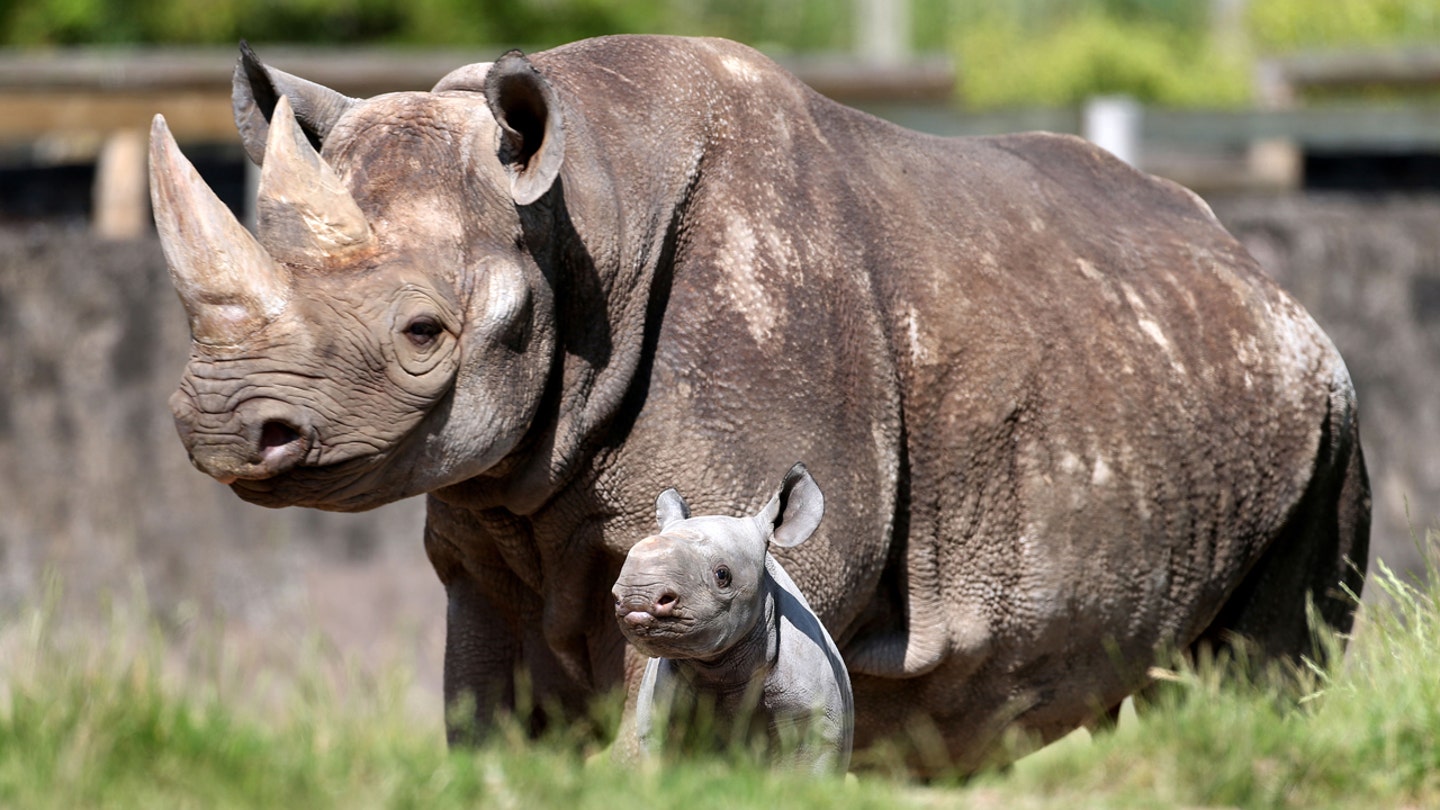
1061 417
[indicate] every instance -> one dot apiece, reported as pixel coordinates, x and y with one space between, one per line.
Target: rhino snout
255 441
643 608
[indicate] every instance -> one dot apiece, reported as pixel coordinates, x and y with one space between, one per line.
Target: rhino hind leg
1319 558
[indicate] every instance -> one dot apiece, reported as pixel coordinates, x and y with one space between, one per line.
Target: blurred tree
1009 51
1064 51
792 25
1287 25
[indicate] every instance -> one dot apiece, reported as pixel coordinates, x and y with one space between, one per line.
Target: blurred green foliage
1170 52
1010 52
1052 52
1287 25
791 25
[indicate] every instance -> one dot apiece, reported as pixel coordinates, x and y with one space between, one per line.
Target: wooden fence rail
85 89
93 104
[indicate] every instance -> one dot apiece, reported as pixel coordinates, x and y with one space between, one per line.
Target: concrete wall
1368 269
94 484
96 488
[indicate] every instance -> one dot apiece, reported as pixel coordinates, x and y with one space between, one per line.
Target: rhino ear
532 130
670 508
257 88
794 512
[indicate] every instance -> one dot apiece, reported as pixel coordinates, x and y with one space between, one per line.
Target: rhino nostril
277 434
665 605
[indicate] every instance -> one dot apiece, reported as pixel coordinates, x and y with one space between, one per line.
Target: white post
120 196
882 30
1113 123
1227 26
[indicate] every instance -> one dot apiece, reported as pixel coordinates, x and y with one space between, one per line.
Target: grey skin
1064 420
726 628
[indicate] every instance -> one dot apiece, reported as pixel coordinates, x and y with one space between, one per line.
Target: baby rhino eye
722 576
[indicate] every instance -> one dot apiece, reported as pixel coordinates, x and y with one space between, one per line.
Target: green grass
1365 734
116 717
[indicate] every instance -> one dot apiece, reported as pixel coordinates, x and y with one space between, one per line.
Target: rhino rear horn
256 89
228 283
304 212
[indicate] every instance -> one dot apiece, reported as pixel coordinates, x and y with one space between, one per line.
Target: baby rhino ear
794 512
670 508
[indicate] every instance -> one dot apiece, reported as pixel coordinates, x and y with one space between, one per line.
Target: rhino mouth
353 485
663 637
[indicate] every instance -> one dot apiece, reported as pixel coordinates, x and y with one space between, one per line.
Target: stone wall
95 487
1368 269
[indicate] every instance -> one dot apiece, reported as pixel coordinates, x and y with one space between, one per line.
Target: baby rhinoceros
731 639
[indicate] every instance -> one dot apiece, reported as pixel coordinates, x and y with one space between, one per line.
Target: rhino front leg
498 662
481 654
487 608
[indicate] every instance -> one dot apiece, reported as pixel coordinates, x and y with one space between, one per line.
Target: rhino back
1110 412
1045 390
1096 380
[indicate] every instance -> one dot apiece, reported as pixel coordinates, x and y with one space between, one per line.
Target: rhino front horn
304 213
228 283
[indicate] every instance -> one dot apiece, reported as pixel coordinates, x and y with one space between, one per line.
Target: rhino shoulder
808 661
810 681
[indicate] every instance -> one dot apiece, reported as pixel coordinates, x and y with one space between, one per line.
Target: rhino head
699 586
388 330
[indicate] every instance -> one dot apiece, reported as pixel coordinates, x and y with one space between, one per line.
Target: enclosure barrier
91 104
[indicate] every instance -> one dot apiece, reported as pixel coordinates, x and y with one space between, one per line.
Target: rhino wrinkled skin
1063 418
729 633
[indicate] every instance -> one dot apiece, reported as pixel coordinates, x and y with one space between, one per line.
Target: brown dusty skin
1063 418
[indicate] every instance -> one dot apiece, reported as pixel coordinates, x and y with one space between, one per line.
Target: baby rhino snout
639 607
646 589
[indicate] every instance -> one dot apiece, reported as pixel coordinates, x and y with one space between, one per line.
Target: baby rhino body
734 647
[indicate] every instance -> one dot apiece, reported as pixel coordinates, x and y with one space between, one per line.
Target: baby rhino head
697 587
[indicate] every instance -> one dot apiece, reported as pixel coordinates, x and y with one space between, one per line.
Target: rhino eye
423 331
722 576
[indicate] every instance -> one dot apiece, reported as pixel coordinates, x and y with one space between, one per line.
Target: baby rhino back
737 657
